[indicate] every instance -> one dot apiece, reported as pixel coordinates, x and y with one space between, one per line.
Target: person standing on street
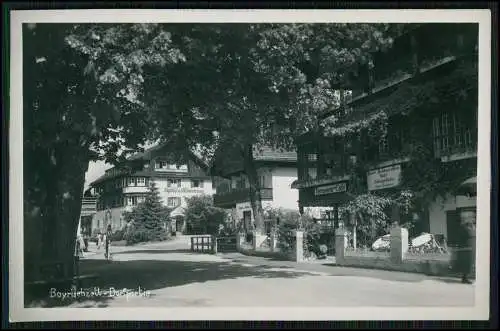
466 250
86 241
107 242
99 240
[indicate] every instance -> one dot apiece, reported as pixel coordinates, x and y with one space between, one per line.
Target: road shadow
399 276
333 270
159 274
154 251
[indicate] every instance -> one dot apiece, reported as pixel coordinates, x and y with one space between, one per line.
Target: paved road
165 275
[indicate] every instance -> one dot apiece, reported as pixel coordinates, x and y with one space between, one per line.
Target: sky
95 170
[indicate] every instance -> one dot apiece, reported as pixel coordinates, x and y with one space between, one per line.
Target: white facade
437 212
176 193
172 194
113 216
283 194
120 192
279 179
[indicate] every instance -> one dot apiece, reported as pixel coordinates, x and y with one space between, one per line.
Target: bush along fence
290 244
397 258
291 249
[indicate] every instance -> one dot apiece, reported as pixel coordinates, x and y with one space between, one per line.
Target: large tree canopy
98 91
239 85
73 113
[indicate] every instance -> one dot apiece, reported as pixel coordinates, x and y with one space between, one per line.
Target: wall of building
283 194
185 191
437 212
102 218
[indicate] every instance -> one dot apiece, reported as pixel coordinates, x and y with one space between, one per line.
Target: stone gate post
399 244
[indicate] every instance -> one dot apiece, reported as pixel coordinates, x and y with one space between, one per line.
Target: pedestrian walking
107 242
466 249
80 245
86 241
99 240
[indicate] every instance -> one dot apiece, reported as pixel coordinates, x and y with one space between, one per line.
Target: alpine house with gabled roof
276 171
124 186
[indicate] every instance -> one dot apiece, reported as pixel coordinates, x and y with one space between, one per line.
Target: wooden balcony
413 54
455 153
89 206
238 196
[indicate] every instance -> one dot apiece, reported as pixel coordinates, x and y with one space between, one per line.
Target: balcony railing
240 195
456 152
89 206
135 189
387 75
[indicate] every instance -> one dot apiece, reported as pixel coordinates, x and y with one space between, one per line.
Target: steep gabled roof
270 154
228 161
147 155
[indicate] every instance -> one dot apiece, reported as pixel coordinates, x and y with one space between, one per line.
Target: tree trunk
54 189
255 194
354 230
336 222
354 237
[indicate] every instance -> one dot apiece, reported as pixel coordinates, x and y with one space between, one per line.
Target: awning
179 211
468 187
300 184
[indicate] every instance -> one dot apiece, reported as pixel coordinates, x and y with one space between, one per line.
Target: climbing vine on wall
424 177
375 124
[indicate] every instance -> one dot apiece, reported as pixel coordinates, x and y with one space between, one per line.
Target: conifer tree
148 218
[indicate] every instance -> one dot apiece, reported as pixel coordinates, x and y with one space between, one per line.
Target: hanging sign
382 178
329 189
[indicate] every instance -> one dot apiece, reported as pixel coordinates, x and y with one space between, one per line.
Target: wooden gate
226 244
203 244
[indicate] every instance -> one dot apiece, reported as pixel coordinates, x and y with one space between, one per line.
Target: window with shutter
452 227
454 133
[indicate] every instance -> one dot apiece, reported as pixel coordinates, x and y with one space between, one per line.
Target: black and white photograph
249 164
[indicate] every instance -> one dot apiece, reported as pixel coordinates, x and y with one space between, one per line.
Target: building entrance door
247 219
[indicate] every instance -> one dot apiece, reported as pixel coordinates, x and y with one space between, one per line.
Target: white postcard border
17 312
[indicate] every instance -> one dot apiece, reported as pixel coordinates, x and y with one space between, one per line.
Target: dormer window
160 165
174 183
196 184
165 166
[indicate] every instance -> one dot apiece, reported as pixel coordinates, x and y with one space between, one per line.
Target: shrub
323 250
136 236
317 235
164 235
289 223
202 217
227 230
118 235
146 219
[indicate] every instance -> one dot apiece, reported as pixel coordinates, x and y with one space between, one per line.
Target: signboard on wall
383 178
244 206
183 190
329 189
